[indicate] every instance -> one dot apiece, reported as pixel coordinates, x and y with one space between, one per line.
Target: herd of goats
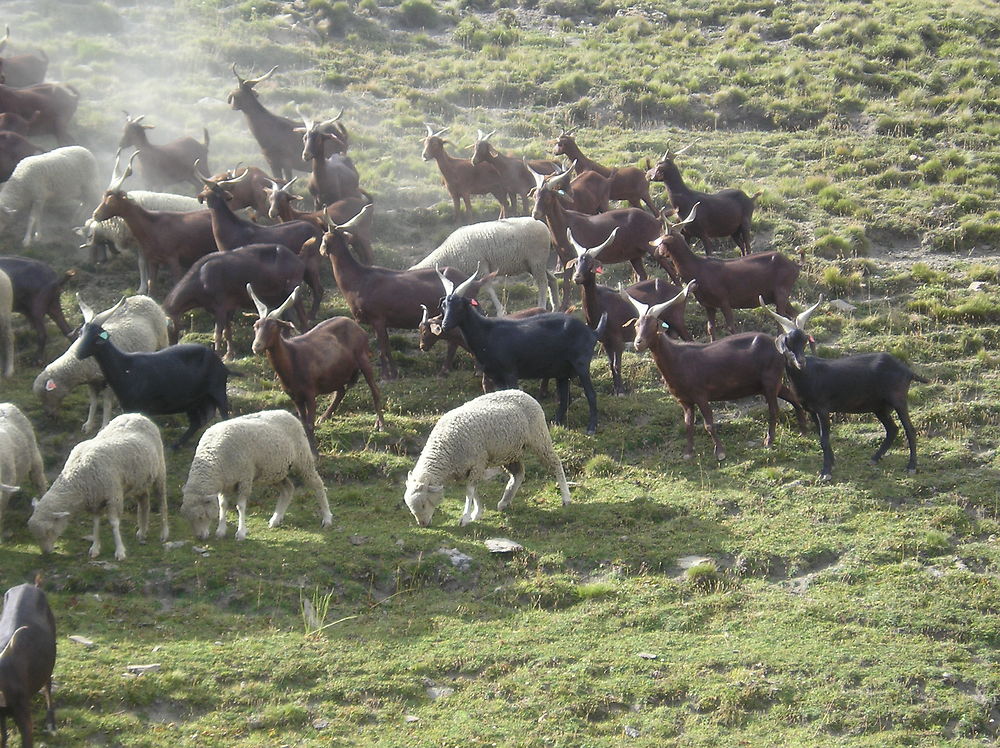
242 243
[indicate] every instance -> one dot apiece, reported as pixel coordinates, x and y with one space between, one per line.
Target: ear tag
474 302
599 270
103 335
812 340
50 385
664 325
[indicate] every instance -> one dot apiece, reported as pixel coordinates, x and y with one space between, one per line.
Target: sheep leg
562 388
706 412
154 271
88 425
143 274
34 219
547 455
823 425
891 431
473 509
7 341
516 470
142 516
220 531
553 291
501 312
116 531
95 545
285 492
161 489
640 270
312 482
242 495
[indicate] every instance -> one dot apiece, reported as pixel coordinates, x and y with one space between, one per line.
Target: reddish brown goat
246 185
636 229
280 144
14 148
463 178
11 122
698 374
627 182
727 284
326 359
55 104
381 297
333 176
588 192
167 164
514 172
723 213
24 69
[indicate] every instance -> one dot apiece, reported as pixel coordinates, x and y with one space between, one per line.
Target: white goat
509 246
492 430
19 455
124 460
264 448
6 326
134 324
64 175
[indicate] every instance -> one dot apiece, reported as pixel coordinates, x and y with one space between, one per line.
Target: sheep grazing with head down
494 430
123 461
6 326
265 448
19 455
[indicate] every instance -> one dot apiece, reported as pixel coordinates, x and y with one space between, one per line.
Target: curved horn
254 81
466 285
292 298
449 287
539 178
561 181
693 142
198 172
690 218
284 187
657 310
803 318
108 314
85 309
640 308
240 80
442 131
357 219
423 320
308 123
261 306
235 179
430 130
787 325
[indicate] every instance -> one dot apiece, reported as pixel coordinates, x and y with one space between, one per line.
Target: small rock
82 640
321 724
141 669
977 285
358 539
842 306
175 544
411 719
502 545
631 731
686 562
201 550
648 655
439 692
457 558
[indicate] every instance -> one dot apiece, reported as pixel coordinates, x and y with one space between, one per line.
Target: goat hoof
687 455
720 456
825 476
911 471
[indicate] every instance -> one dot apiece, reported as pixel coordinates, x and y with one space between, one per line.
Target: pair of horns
668 154
310 124
351 224
251 82
262 310
799 323
450 289
438 134
591 251
209 182
88 312
657 310
487 136
116 179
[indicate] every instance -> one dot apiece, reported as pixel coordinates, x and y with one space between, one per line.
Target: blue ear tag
664 325
103 335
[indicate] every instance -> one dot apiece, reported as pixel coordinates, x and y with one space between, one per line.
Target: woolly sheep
124 460
59 176
19 455
491 430
6 326
264 448
134 324
116 233
509 246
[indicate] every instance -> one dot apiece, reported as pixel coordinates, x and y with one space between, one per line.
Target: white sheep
63 175
134 324
115 231
123 461
260 448
509 247
491 430
19 455
6 326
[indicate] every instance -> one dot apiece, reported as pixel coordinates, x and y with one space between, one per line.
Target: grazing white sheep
6 326
507 247
19 455
123 461
64 175
491 430
134 324
115 231
260 448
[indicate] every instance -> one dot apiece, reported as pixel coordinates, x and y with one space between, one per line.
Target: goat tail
205 130
918 378
754 196
234 372
71 273
601 326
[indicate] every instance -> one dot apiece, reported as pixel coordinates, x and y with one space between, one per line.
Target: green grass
857 612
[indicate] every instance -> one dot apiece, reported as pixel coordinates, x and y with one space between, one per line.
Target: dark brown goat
627 182
588 192
655 291
24 69
636 229
280 144
280 209
381 297
463 178
55 104
727 284
14 148
514 172
326 359
11 122
723 213
37 288
698 374
333 176
167 164
217 283
165 237
247 186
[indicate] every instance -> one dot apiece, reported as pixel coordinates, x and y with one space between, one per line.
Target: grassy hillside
673 602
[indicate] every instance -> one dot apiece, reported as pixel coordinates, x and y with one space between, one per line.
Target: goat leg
337 397
710 427
688 429
911 438
562 387
823 424
891 431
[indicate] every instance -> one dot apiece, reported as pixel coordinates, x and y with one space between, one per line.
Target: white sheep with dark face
491 431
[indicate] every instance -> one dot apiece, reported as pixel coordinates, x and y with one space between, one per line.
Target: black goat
37 288
184 378
28 636
866 383
546 346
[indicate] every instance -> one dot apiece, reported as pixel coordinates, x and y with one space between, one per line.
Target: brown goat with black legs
463 178
723 213
876 383
166 164
280 144
326 359
726 284
12 122
23 69
627 182
382 297
636 229
14 149
698 374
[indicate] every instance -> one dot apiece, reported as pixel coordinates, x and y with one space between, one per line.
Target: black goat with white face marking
876 383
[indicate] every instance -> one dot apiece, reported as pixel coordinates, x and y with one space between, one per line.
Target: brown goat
514 172
11 122
588 192
246 184
326 359
698 374
627 182
463 178
727 284
723 213
24 69
333 175
167 164
49 106
13 149
280 144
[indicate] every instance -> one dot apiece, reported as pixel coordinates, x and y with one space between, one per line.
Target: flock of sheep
126 350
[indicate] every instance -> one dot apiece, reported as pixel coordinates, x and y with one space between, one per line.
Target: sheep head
422 499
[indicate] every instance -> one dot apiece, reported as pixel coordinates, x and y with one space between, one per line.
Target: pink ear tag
812 340
474 302
599 269
50 385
